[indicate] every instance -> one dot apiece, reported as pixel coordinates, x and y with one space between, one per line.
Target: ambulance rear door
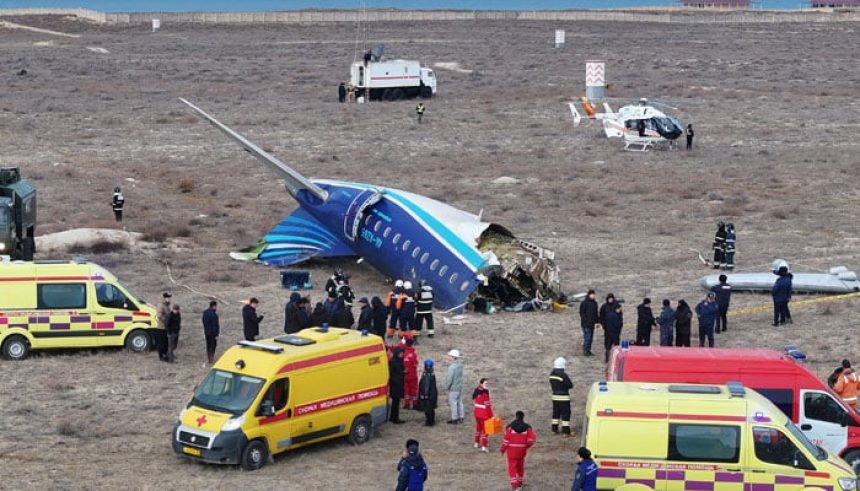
823 420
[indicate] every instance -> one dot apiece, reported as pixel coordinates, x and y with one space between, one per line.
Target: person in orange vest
410 381
847 384
519 438
392 304
483 412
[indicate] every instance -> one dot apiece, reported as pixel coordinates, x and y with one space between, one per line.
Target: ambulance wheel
255 455
426 92
361 430
853 459
396 94
16 348
387 95
137 341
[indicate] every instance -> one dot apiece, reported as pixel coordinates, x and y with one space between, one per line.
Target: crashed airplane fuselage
401 234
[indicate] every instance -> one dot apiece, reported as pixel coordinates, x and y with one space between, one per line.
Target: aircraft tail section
294 180
297 238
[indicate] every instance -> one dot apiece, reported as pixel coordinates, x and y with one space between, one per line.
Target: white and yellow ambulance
69 304
265 397
677 437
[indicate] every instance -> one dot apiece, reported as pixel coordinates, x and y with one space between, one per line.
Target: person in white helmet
454 386
406 310
561 385
392 302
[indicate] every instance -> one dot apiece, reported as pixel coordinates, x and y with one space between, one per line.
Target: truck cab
17 215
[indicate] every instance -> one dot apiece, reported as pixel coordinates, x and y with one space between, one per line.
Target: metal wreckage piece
518 270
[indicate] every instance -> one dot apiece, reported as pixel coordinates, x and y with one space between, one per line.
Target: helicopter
641 124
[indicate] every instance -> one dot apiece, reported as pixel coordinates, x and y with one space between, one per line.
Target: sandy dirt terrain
776 153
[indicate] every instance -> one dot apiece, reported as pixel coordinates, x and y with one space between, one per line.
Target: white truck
391 80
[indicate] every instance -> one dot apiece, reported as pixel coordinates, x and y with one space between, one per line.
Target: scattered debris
452 66
506 180
96 49
836 280
22 72
12 25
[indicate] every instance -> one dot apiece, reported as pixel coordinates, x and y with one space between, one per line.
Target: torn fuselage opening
515 270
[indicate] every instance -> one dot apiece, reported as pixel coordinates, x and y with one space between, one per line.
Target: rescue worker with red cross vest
561 385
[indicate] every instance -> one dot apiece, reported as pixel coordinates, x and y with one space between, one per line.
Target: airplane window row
415 252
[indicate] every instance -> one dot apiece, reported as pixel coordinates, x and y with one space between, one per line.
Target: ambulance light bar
262 347
736 389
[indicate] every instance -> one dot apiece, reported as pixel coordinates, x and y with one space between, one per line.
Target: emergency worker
847 384
731 246
365 315
720 245
483 410
585 478
518 439
117 202
410 380
391 302
424 309
332 284
419 110
560 384
406 309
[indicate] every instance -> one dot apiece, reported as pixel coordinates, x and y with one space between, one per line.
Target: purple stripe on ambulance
611 473
60 325
699 486
79 318
789 480
729 477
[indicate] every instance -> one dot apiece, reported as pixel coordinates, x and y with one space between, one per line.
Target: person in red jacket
483 412
410 381
519 438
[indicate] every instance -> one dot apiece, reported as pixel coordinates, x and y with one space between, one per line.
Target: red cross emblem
201 421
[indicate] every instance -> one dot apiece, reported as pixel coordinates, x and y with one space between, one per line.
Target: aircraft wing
294 180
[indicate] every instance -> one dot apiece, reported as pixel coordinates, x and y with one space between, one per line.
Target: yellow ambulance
68 304
677 437
264 397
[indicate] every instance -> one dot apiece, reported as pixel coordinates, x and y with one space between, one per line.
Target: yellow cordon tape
767 308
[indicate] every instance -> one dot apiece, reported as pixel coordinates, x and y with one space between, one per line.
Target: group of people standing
674 324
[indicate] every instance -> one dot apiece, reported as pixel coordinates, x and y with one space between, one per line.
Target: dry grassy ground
777 153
